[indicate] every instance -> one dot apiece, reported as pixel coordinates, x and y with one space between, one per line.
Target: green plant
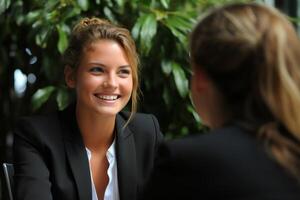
160 28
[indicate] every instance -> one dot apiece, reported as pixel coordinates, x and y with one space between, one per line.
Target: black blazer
50 158
228 163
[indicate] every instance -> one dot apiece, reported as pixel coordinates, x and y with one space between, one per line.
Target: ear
70 76
200 79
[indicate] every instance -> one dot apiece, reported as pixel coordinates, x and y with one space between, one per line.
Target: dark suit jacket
50 158
228 163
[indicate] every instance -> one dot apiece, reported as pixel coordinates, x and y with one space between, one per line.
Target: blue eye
125 71
96 70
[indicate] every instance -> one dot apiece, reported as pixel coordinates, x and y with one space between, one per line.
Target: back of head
251 52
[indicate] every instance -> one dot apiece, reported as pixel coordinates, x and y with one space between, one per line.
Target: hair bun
86 22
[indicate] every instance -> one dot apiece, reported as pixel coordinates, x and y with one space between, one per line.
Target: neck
97 131
215 110
218 121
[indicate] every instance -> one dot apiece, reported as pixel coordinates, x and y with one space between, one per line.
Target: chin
108 112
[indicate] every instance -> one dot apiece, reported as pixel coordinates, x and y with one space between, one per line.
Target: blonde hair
251 52
89 30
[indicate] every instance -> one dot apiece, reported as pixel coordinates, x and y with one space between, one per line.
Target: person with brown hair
246 87
91 150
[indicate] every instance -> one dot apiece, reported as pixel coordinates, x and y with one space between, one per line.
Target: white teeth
108 97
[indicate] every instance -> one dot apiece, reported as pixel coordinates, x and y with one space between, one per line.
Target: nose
110 82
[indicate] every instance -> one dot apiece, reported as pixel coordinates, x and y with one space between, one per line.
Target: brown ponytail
252 53
279 84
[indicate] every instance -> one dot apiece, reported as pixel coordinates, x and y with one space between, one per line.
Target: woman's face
103 79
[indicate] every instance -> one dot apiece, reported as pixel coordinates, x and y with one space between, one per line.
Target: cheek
196 96
127 86
86 84
194 90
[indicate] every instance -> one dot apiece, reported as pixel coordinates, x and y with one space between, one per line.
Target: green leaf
40 38
194 113
179 35
97 2
167 96
109 14
83 4
17 12
70 12
4 4
52 16
165 3
148 30
137 27
37 24
120 3
62 38
109 3
166 67
33 16
181 81
160 14
41 96
62 98
179 26
180 22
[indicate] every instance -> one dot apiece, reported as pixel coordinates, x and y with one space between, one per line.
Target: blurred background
34 34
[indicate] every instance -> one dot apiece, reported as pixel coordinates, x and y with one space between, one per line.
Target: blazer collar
78 160
126 160
76 153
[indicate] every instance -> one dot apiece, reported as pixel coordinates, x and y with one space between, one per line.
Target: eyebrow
98 63
125 66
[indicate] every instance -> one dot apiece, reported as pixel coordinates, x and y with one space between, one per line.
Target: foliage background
34 34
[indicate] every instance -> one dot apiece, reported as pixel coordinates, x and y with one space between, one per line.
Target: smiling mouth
108 97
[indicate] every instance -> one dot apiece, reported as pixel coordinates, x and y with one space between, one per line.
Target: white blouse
112 188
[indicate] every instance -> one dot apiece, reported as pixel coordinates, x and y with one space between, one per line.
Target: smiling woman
103 84
92 149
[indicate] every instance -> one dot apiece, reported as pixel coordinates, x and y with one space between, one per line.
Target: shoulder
222 138
229 143
38 127
144 127
141 121
229 157
230 150
38 120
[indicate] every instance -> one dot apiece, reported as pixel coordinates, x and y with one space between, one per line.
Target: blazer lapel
126 161
76 154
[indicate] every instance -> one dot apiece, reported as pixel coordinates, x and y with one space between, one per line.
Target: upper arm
31 176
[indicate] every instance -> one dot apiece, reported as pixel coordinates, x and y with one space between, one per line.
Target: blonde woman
92 150
246 88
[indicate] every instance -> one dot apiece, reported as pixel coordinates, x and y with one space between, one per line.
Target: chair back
8 169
